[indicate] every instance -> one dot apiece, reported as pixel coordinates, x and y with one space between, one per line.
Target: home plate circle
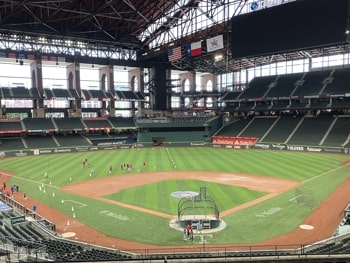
68 234
306 227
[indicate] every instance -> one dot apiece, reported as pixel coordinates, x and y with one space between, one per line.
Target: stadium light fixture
218 57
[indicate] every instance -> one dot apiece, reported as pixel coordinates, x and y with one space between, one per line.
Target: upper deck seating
61 93
38 124
6 93
284 85
246 106
119 94
316 104
10 126
109 95
298 105
85 94
341 103
339 83
258 87
312 83
129 95
262 105
231 106
74 93
64 124
122 122
35 93
48 94
20 93
231 95
139 95
97 123
279 104
98 94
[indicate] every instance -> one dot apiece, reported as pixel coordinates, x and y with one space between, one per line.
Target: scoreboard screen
297 25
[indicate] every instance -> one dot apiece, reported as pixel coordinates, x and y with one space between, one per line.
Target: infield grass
225 196
319 173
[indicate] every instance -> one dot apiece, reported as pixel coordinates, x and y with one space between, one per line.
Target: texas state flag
194 49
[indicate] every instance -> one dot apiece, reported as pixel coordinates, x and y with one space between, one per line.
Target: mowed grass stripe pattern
322 173
157 196
291 165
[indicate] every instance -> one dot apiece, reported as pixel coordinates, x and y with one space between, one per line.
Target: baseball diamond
175 131
247 200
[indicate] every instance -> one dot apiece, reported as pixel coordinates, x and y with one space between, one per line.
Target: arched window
209 86
187 85
187 103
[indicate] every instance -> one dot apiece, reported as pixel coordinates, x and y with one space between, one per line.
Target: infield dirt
324 219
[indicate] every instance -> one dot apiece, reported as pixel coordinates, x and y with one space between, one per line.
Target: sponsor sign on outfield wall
266 146
299 148
228 140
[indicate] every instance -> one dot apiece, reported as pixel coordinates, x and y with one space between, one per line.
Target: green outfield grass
319 173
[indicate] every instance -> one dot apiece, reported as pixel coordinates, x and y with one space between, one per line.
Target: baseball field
260 194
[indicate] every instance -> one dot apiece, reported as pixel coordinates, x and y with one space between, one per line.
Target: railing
28 212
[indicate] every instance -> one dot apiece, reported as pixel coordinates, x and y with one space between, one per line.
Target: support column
133 79
73 78
192 80
204 81
136 80
37 81
142 90
2 111
106 80
168 90
160 95
195 99
216 90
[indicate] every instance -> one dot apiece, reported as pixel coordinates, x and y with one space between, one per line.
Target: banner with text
227 140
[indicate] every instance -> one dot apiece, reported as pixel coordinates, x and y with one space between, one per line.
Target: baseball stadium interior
120 73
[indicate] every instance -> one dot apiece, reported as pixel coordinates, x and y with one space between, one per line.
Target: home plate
306 227
68 234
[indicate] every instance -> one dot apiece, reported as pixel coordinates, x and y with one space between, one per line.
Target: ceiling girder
111 25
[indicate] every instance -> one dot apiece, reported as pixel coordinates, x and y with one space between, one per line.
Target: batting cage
199 208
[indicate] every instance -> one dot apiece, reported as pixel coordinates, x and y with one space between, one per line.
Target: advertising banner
227 140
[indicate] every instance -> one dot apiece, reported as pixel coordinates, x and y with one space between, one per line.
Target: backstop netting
304 196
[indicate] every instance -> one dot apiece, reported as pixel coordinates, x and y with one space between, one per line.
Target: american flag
174 54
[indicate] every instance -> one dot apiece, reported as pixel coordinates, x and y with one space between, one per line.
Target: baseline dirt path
325 218
98 188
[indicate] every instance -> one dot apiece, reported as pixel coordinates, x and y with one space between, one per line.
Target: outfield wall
263 146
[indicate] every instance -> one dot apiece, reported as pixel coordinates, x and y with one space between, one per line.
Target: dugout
158 141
